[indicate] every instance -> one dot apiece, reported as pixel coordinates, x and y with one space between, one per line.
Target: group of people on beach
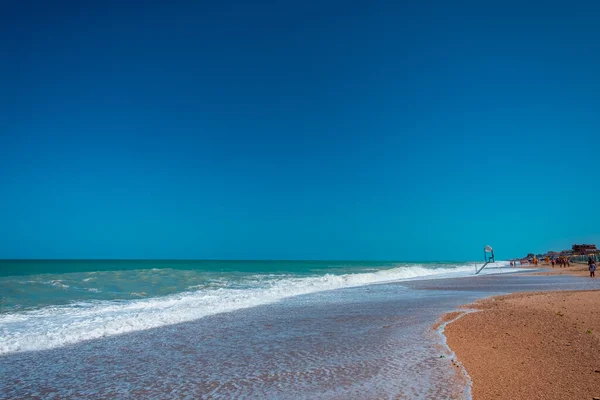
562 262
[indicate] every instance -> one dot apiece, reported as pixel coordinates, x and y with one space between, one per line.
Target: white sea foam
57 283
56 326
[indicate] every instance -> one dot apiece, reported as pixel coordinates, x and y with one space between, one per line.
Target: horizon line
225 259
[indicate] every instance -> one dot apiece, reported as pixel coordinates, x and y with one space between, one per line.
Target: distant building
583 249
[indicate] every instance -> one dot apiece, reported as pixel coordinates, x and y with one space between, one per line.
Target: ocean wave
56 326
57 283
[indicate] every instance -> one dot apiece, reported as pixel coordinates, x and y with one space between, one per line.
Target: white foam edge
56 326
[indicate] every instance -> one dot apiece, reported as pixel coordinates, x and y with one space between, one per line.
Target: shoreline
528 345
371 341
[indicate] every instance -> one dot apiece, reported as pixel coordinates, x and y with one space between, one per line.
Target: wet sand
531 345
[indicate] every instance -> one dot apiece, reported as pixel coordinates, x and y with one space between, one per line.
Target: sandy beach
531 345
575 269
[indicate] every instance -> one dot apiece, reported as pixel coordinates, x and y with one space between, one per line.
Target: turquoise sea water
238 329
48 304
28 284
35 267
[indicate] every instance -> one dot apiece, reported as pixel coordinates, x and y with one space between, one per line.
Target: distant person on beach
591 266
553 263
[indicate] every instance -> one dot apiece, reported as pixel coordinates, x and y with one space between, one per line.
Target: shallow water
73 301
363 342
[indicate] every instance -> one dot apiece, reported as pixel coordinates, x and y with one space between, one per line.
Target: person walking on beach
592 267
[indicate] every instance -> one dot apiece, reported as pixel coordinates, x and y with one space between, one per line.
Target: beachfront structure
584 249
576 250
486 258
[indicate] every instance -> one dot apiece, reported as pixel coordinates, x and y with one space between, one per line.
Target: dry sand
574 269
531 346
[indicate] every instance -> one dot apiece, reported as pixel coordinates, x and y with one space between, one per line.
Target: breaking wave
55 326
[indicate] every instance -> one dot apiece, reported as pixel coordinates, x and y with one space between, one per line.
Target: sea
238 329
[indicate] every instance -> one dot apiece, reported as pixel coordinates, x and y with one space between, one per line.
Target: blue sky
298 130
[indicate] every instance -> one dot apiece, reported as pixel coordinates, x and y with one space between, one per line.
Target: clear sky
297 129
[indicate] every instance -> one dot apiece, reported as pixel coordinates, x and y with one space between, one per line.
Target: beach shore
531 345
575 269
